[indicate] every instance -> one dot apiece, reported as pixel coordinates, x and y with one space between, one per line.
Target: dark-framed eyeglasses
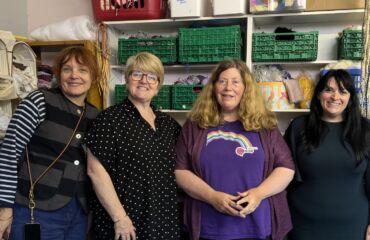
138 75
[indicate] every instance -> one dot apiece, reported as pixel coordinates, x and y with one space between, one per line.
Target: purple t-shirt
232 160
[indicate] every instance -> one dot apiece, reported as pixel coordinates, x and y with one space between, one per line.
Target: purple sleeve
281 152
183 148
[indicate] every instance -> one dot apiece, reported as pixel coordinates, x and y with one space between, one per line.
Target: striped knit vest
67 178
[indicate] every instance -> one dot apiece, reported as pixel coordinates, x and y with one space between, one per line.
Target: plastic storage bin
209 44
183 96
351 45
117 10
229 7
162 100
120 93
164 48
285 46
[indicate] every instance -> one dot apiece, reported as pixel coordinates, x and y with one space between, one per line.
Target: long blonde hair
253 112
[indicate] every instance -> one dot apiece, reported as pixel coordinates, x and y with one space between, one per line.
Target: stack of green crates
164 48
301 46
209 44
351 45
162 100
184 96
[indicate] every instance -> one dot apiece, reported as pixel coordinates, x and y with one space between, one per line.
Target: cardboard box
275 95
322 5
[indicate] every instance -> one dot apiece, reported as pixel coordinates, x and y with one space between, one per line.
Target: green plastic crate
120 93
164 48
268 47
162 100
183 96
209 44
351 45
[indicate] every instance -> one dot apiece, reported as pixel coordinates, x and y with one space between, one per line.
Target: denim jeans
68 222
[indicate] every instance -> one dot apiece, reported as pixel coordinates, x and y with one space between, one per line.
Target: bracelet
7 218
119 219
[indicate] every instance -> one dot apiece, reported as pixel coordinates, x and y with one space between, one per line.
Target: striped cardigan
45 121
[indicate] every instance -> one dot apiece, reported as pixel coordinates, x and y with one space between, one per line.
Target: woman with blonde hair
131 161
233 162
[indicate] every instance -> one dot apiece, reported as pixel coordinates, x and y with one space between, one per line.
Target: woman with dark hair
331 147
43 179
233 162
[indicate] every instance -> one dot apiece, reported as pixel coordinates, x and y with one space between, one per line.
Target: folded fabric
74 28
294 90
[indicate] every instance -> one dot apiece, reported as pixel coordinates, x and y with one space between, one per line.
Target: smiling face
75 81
229 89
142 86
333 100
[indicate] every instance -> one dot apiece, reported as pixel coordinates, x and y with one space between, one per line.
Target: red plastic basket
116 10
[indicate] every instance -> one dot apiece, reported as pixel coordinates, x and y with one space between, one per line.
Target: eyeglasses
150 77
234 82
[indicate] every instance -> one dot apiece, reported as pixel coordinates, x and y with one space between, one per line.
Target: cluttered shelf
310 17
150 25
321 28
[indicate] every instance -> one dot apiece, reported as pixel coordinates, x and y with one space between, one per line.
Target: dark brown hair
82 55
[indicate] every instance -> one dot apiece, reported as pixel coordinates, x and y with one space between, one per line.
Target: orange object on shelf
275 95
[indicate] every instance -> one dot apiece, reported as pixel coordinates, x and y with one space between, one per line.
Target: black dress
330 202
141 163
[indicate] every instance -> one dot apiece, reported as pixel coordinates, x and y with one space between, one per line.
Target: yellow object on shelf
308 86
275 95
21 38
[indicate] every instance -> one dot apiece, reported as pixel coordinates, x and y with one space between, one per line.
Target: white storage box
188 8
229 7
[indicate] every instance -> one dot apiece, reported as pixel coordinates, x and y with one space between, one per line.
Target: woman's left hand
367 236
124 229
253 198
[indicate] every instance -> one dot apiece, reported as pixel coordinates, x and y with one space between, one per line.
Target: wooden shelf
55 46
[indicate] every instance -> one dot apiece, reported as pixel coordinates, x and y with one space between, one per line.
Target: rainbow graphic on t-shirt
245 145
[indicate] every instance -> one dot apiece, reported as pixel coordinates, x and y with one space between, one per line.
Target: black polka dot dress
140 161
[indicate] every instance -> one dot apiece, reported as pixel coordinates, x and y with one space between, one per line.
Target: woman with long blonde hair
233 162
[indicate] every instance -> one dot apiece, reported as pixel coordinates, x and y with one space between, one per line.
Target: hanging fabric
365 86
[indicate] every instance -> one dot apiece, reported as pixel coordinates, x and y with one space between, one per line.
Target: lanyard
31 197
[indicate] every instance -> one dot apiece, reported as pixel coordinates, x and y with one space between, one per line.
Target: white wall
43 12
13 16
22 16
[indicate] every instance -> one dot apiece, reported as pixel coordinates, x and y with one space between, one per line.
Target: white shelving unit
328 23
